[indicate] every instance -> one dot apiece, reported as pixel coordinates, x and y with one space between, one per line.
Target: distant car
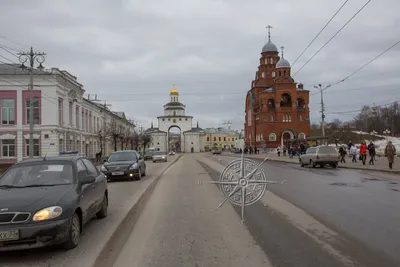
148 155
171 153
216 151
124 164
159 156
320 155
48 201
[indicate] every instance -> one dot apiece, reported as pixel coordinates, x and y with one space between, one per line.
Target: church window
273 74
272 117
272 137
174 113
286 100
215 138
186 119
280 73
302 136
174 120
301 117
284 73
263 74
163 119
272 60
289 118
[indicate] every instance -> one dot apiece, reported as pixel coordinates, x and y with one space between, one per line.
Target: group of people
390 153
294 150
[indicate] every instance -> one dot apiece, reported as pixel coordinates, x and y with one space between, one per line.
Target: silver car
159 156
320 155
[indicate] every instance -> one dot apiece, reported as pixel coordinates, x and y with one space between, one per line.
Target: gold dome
174 92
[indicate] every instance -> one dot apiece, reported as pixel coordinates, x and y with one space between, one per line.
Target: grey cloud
207 48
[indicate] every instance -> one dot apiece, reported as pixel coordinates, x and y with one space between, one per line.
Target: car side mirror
88 180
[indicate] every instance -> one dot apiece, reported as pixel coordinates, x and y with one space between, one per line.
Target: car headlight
134 166
47 214
103 169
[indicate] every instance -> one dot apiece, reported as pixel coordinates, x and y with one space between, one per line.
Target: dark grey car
48 201
126 164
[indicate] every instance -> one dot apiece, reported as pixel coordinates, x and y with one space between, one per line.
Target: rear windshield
122 156
327 150
159 153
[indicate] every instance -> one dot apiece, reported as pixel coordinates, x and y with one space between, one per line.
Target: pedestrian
363 152
342 152
390 152
371 150
284 150
353 153
279 151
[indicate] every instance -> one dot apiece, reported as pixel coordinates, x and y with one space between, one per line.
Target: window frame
8 148
3 108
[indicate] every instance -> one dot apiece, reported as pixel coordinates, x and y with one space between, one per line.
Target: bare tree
145 139
135 140
114 133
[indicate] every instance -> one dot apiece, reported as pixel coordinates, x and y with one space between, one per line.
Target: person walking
390 152
342 152
371 150
353 153
363 152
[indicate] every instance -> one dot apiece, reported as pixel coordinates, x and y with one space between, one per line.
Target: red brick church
276 107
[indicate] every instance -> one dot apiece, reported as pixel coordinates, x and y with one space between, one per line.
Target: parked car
48 201
159 156
216 150
124 164
148 155
320 155
171 153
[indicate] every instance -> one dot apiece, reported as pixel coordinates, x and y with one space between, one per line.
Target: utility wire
305 64
320 32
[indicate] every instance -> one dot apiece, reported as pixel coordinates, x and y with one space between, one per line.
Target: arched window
273 74
289 118
302 136
280 73
286 100
284 73
174 113
263 74
272 137
271 60
301 117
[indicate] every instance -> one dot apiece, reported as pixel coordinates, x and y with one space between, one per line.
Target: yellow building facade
220 137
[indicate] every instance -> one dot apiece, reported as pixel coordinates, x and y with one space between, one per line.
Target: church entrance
285 137
191 149
174 139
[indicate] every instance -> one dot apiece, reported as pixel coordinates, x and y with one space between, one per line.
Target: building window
169 119
7 111
83 119
180 119
60 111
219 138
263 74
70 113
215 138
77 117
272 60
35 110
302 136
224 138
8 148
284 73
174 113
60 145
36 147
186 119
208 138
273 74
289 118
163 119
301 117
98 124
272 137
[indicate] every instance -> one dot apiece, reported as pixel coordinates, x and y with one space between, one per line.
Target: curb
111 248
339 166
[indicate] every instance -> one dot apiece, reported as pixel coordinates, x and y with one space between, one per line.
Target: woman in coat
390 152
363 152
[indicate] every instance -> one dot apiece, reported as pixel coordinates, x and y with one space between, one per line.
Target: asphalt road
179 225
361 206
122 196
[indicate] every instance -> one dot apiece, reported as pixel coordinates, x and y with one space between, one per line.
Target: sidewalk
380 165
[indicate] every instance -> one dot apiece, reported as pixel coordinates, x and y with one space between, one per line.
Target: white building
191 138
63 119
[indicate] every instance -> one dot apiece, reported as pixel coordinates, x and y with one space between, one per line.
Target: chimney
300 86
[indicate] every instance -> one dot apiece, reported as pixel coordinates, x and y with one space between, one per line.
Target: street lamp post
31 57
386 133
319 87
373 133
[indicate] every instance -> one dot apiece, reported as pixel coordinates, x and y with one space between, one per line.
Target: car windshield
159 153
150 153
38 174
327 150
122 156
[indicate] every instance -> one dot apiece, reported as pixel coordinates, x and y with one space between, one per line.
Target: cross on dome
269 27
282 47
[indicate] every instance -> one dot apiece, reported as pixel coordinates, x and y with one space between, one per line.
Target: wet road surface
363 206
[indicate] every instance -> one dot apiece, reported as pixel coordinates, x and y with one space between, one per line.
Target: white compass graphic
243 182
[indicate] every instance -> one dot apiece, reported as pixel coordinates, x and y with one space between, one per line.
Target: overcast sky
130 53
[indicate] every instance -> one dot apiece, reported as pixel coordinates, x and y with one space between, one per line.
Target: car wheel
154 161
312 163
301 163
74 235
104 208
139 176
165 160
144 173
333 165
